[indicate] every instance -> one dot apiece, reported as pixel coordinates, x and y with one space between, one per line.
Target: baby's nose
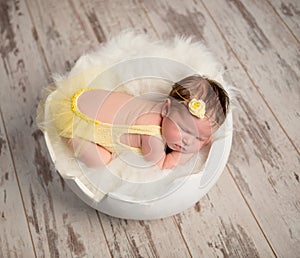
186 140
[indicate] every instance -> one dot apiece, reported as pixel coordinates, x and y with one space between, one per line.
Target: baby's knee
90 153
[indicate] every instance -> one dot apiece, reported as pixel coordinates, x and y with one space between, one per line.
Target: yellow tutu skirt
55 115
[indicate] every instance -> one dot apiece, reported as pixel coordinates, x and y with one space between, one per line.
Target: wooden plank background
253 210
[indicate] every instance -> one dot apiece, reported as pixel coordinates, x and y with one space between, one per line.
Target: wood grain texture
265 170
220 225
159 238
289 11
61 33
59 224
111 17
268 52
253 211
15 240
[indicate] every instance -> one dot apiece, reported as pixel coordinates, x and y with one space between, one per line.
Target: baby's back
113 107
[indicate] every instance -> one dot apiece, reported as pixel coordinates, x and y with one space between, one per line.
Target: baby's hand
153 149
175 158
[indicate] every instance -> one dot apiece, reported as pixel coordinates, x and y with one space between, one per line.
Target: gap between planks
282 20
18 182
251 211
250 78
265 102
105 237
35 33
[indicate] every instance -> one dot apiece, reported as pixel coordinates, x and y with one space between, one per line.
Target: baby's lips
179 147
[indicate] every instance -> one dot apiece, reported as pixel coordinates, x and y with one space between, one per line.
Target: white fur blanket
136 64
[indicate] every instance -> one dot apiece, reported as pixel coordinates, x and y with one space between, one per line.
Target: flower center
195 105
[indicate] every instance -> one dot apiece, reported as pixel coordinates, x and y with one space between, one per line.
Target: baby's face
184 132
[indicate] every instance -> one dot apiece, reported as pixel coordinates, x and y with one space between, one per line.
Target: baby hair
211 92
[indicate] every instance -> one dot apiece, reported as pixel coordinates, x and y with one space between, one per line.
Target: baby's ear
166 107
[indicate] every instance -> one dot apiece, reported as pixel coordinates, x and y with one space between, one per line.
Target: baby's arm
90 153
176 158
153 150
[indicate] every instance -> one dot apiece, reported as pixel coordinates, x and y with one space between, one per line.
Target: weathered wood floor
253 210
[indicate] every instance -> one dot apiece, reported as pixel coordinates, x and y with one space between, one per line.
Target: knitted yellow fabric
71 123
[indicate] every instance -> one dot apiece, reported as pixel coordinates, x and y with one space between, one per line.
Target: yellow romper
71 123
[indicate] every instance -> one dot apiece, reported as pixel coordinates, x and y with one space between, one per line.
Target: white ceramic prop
128 187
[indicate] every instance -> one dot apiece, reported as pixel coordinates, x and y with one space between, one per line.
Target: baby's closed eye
193 134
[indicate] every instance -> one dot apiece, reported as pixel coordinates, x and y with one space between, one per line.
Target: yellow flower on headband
197 108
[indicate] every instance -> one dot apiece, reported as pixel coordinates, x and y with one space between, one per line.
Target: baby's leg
90 153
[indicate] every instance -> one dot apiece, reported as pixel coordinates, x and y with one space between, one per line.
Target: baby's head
196 108
209 91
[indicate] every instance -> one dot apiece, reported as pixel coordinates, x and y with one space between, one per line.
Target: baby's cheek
175 135
175 132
